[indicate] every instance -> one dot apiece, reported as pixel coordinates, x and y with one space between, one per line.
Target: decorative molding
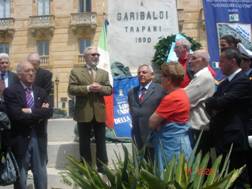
42 26
83 22
7 28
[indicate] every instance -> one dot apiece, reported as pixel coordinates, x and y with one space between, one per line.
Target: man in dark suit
143 100
7 77
43 77
27 106
228 109
89 85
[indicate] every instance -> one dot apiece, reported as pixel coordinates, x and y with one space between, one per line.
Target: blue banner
122 119
227 17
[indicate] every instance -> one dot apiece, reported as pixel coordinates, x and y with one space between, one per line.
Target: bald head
199 60
34 58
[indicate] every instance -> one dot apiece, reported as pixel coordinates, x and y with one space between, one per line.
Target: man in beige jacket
89 85
199 89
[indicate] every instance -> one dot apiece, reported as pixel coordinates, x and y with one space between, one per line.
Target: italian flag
104 63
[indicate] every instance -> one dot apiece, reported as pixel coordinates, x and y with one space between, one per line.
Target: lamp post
57 91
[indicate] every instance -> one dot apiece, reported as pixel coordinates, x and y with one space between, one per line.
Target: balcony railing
44 21
6 23
44 59
83 19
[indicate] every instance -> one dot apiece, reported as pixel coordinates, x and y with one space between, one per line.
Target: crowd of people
167 117
195 104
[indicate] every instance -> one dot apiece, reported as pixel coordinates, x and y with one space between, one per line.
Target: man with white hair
27 106
201 87
182 50
143 101
89 85
7 77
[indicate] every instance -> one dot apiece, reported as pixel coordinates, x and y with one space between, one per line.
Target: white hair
203 54
185 43
146 65
21 65
86 50
4 55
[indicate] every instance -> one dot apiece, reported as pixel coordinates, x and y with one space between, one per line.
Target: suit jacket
12 78
23 123
43 79
201 87
88 105
229 114
141 111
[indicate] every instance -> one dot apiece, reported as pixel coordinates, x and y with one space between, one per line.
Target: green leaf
195 166
192 156
169 171
225 165
213 174
201 171
152 180
227 181
180 171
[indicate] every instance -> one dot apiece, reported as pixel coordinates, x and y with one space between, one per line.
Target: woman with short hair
169 121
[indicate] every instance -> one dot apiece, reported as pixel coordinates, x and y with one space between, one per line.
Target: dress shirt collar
26 87
89 67
146 86
233 74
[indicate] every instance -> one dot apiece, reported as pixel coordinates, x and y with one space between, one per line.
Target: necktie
29 98
142 93
92 72
2 75
2 78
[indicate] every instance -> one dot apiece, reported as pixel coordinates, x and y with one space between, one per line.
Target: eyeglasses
95 54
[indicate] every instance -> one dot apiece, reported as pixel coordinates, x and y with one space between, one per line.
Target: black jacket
23 123
228 109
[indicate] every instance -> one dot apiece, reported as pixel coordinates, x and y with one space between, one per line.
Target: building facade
60 30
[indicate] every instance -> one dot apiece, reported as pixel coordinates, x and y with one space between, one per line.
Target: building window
85 5
83 43
43 7
4 8
4 48
43 48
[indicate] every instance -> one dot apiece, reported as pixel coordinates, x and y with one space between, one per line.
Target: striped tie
29 97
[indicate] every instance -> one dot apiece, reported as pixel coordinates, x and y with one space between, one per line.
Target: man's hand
26 110
95 87
45 105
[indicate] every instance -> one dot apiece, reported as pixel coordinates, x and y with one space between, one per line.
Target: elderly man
201 87
89 85
43 77
228 109
27 106
182 50
143 100
7 77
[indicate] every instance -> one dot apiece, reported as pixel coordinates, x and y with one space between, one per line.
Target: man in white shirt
201 87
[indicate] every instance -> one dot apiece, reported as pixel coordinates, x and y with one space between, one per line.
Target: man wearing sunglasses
89 85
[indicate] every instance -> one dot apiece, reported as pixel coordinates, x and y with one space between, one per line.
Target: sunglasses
95 54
